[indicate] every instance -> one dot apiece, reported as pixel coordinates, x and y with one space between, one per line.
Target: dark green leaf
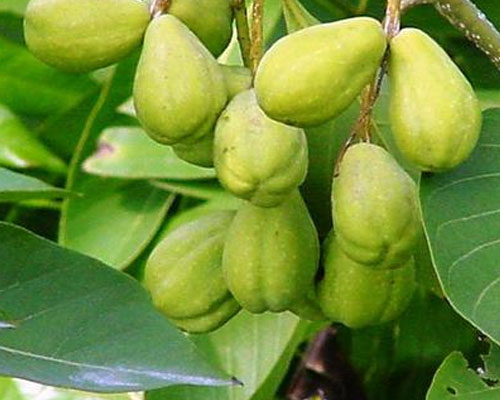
19 148
84 325
17 187
454 380
461 211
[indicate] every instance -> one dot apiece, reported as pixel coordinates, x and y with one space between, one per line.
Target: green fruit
375 211
435 115
179 88
256 158
358 296
83 35
238 79
271 256
312 75
210 20
198 153
184 274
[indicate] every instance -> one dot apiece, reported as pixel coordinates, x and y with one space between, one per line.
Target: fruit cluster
266 255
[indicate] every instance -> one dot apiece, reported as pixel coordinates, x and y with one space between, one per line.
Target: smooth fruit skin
238 79
256 158
184 274
210 20
179 89
84 35
435 115
271 256
358 296
312 75
374 208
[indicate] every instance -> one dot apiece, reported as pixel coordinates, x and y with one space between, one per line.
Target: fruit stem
257 49
242 30
159 7
466 17
371 93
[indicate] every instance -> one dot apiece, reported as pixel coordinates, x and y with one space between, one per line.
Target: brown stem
243 30
362 127
466 17
159 7
257 34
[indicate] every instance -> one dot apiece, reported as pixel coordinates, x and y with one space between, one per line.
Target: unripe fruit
312 75
271 256
238 79
375 209
210 20
200 153
435 115
184 274
256 158
358 296
83 35
179 88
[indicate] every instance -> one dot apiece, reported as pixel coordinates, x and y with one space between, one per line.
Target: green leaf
29 86
461 211
85 326
17 187
398 360
127 152
492 363
19 148
205 190
454 380
9 390
296 16
114 220
256 348
13 6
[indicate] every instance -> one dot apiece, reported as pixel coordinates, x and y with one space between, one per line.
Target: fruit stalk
257 49
370 95
243 30
159 7
466 17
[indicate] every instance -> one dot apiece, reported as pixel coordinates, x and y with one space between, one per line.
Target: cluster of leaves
75 168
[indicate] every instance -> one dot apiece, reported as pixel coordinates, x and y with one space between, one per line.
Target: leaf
14 6
296 16
461 212
29 86
492 364
9 390
114 220
257 348
127 152
398 360
199 189
19 148
454 380
17 187
34 391
85 326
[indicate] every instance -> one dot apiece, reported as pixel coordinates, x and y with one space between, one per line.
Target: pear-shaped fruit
210 20
375 209
312 75
199 153
179 88
358 296
184 274
435 115
256 158
238 79
271 256
83 35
